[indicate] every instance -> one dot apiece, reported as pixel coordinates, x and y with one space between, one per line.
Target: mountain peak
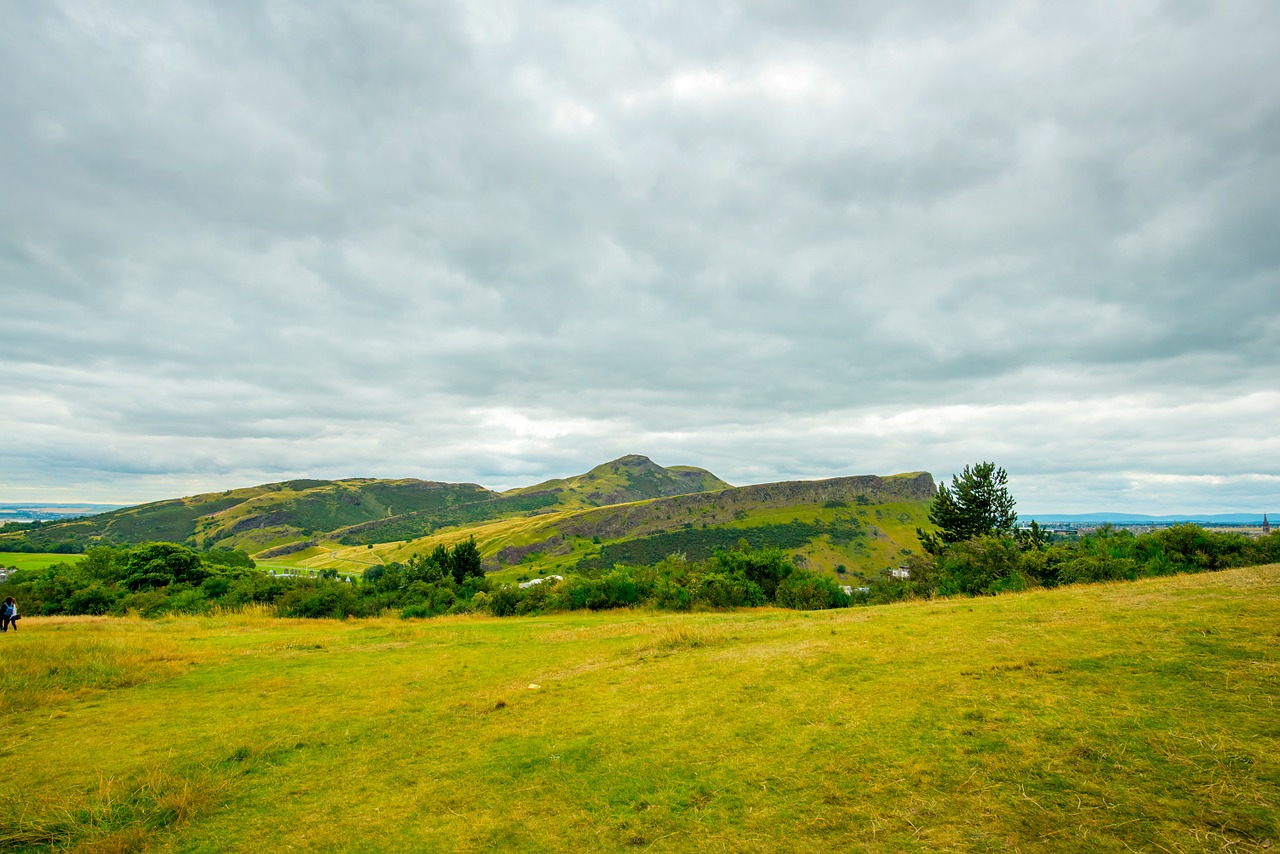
633 477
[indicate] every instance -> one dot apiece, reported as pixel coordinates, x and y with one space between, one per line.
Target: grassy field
25 560
1142 717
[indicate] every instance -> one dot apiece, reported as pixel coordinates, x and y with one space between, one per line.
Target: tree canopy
977 503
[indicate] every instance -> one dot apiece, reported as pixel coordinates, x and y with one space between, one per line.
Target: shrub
324 599
145 603
504 601
808 591
720 590
94 599
189 601
671 596
1094 568
982 566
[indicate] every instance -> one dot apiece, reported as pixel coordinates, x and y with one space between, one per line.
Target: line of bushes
995 563
742 577
158 578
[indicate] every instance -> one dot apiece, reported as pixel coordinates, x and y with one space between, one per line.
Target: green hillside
630 510
252 519
626 479
862 524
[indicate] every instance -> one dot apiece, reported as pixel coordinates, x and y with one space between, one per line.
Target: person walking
9 615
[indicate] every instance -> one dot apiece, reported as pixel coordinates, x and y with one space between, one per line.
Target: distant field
1141 716
23 560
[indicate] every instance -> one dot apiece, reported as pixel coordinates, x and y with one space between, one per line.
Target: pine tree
977 503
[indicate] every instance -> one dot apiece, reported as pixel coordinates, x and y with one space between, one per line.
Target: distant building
534 581
1266 529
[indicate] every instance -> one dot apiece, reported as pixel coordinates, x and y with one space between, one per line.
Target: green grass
1141 716
24 560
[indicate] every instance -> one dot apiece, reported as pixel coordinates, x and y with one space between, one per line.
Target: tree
1033 538
430 569
162 564
978 503
464 561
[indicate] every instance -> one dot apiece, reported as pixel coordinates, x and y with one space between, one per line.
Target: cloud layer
499 242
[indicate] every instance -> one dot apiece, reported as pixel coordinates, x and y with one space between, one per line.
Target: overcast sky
504 241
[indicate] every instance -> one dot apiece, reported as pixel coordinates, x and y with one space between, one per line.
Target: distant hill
629 478
254 518
859 524
281 517
630 510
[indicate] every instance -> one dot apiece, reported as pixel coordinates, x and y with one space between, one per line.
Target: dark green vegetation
702 543
1104 718
412 526
165 578
976 550
159 578
991 564
978 503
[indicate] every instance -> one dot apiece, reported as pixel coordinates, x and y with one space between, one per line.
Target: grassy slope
260 517
26 560
314 517
1107 718
630 478
889 524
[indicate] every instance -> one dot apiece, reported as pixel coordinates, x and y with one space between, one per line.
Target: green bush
93 599
982 566
318 599
722 590
1094 568
807 591
504 601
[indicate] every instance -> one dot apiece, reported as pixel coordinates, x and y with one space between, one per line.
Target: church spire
1266 529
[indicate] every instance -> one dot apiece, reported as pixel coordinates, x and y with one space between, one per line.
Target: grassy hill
861 524
1117 717
627 479
255 518
630 510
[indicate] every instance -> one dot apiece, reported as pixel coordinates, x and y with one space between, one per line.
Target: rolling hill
629 510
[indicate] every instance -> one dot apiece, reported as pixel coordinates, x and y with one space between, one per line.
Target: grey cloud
310 238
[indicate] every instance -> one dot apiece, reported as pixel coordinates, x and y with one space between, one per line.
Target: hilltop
628 510
630 478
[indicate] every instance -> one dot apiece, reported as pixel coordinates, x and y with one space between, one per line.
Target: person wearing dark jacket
9 615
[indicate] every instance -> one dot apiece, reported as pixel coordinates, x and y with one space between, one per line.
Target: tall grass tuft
56 666
112 816
677 633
